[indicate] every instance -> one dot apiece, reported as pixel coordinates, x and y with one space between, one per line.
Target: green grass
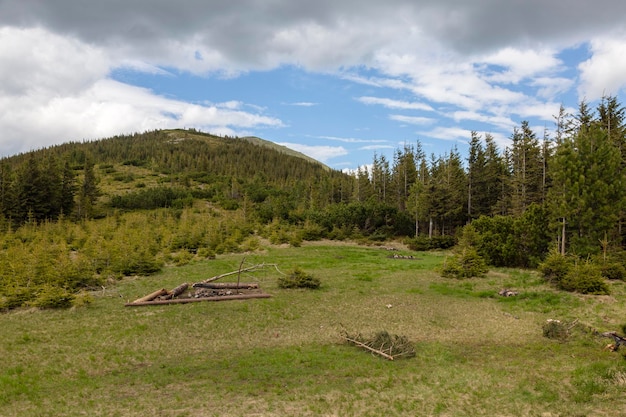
477 354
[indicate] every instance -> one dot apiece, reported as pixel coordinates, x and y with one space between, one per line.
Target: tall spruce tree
88 192
497 179
526 169
588 192
477 180
404 175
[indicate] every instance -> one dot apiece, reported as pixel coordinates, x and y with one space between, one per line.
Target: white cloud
395 104
604 73
352 140
520 64
413 120
502 122
448 133
59 92
321 153
481 61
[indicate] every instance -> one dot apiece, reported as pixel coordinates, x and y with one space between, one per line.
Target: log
195 300
151 296
177 291
226 285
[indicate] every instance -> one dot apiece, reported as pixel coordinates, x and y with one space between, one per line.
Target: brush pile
384 344
207 290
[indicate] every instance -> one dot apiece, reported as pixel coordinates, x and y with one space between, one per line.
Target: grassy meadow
478 354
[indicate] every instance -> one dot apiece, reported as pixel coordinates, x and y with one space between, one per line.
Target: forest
80 215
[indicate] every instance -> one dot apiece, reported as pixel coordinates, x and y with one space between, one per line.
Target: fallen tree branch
239 271
226 285
195 300
371 349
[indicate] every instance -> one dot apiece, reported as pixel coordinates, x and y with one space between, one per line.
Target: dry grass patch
476 354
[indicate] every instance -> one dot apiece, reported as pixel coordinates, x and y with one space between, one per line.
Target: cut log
195 300
151 296
176 291
226 285
619 340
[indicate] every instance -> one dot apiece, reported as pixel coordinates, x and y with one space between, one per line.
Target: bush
555 267
584 278
52 297
424 243
613 271
467 264
299 279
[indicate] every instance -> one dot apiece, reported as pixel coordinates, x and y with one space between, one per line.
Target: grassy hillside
478 354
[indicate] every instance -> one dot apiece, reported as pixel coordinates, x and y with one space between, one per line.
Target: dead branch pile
396 256
207 290
388 346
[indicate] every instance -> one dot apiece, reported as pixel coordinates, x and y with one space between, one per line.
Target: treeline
45 187
575 175
561 191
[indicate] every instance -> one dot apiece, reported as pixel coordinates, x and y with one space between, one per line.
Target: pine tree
89 191
404 175
587 195
497 179
526 169
477 181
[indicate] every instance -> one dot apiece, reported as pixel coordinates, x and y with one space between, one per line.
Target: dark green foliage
299 279
424 243
496 241
152 198
466 264
571 274
613 271
510 241
584 278
555 267
49 296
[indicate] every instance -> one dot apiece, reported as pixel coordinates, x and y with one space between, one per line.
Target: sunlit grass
476 353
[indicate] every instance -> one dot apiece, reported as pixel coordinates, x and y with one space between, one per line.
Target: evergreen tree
477 180
526 169
448 192
497 179
88 192
587 195
404 175
381 178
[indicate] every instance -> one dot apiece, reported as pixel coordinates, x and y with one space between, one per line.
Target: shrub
613 271
182 258
424 243
555 267
584 278
466 264
206 253
52 297
299 279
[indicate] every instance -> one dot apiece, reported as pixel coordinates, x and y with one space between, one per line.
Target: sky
338 80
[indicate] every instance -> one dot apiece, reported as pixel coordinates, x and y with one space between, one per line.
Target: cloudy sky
339 80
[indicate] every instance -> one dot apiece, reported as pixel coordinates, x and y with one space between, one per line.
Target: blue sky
339 80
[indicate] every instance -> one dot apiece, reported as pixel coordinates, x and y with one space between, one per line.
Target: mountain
133 171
